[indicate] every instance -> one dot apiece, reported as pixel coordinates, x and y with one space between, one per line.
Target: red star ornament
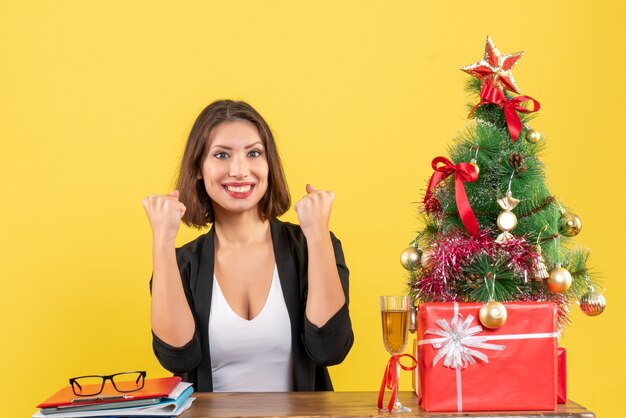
496 67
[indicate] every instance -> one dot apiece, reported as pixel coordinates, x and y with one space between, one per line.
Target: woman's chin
236 209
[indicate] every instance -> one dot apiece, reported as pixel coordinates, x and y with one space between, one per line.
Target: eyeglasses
94 384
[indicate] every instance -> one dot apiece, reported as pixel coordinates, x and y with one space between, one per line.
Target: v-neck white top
251 355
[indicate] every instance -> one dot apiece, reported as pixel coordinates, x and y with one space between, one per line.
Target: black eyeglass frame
141 373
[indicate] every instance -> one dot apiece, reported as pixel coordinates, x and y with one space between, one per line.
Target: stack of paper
167 397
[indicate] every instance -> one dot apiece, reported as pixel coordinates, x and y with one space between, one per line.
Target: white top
251 355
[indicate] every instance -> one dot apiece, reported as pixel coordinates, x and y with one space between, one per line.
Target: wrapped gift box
561 379
513 367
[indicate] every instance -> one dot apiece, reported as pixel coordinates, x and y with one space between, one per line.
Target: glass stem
397 403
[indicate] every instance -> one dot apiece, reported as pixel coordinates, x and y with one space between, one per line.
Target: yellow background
97 99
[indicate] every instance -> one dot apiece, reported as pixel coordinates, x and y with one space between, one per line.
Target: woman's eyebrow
228 148
254 145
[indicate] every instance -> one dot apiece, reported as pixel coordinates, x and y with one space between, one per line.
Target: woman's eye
254 154
221 155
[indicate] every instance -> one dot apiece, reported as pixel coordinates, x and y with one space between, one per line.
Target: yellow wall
96 100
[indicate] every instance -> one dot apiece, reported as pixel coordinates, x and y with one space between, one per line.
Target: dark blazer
313 348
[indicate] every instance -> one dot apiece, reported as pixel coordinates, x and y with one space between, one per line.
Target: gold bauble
559 281
569 224
410 257
492 315
533 136
592 303
507 221
475 165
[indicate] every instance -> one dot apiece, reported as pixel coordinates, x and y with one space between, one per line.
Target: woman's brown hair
193 194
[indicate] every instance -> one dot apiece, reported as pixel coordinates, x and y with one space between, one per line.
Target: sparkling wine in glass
394 311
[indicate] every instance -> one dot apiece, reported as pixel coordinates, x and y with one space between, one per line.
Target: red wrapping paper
561 378
520 377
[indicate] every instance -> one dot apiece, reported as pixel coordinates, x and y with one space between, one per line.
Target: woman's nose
239 167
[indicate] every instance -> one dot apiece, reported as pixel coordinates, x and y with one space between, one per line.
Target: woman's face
235 168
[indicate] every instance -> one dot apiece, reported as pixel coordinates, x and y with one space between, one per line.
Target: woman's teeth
239 189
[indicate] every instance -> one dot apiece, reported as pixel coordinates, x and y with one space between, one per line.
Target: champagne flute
394 312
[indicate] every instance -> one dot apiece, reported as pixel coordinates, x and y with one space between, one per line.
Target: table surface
337 404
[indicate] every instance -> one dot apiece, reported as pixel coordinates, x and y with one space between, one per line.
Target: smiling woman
255 304
235 169
220 128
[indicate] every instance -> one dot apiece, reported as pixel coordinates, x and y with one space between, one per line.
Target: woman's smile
239 190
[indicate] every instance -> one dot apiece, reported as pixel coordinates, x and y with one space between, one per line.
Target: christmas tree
493 231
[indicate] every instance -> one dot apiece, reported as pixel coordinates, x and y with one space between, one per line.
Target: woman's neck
241 230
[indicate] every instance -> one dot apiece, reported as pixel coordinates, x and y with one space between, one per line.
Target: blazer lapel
202 303
288 270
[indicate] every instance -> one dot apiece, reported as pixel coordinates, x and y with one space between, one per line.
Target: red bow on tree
490 93
463 172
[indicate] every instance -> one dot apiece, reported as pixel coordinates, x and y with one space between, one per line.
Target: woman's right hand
164 213
170 314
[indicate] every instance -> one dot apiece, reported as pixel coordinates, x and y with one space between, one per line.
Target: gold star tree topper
495 67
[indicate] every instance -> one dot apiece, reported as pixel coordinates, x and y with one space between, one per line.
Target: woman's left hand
314 212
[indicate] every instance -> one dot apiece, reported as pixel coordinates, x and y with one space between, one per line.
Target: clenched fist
314 212
164 213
